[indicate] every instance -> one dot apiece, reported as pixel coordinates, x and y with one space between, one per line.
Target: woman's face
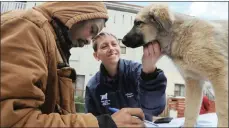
108 50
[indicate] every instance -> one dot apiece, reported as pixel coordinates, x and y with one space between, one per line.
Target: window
80 79
208 91
123 50
114 18
123 19
179 90
122 46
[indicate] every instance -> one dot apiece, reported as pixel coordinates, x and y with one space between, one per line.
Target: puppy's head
150 22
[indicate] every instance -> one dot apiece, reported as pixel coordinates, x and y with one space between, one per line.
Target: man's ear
161 15
96 56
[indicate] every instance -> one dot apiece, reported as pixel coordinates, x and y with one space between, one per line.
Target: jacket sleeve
152 90
90 106
23 63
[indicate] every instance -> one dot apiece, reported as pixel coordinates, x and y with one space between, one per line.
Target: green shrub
79 99
79 104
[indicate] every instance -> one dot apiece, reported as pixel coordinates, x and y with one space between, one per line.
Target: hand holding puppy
151 54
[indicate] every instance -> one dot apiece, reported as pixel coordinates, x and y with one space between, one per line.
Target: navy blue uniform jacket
129 88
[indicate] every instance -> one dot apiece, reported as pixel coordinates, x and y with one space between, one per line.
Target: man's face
82 33
108 50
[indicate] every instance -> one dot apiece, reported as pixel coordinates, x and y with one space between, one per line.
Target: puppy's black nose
125 40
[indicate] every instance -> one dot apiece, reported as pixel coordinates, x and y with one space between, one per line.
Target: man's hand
125 117
151 54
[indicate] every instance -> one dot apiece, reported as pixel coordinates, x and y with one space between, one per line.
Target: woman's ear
96 56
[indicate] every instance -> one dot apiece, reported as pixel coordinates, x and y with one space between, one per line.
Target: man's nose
90 37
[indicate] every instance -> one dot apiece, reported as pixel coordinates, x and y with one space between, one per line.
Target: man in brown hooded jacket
36 79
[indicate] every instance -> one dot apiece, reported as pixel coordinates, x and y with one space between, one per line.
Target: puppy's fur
198 48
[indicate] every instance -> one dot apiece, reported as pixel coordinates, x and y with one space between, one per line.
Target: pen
115 110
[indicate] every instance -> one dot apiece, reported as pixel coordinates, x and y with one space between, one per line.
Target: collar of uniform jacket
70 13
117 77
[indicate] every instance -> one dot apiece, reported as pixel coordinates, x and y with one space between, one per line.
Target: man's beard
80 42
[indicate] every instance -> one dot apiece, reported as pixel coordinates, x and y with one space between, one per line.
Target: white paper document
205 120
149 124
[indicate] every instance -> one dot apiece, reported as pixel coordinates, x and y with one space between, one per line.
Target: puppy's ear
161 15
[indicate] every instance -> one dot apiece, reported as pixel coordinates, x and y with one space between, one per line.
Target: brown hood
70 13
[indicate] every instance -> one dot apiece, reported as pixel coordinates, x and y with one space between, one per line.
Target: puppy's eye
138 23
